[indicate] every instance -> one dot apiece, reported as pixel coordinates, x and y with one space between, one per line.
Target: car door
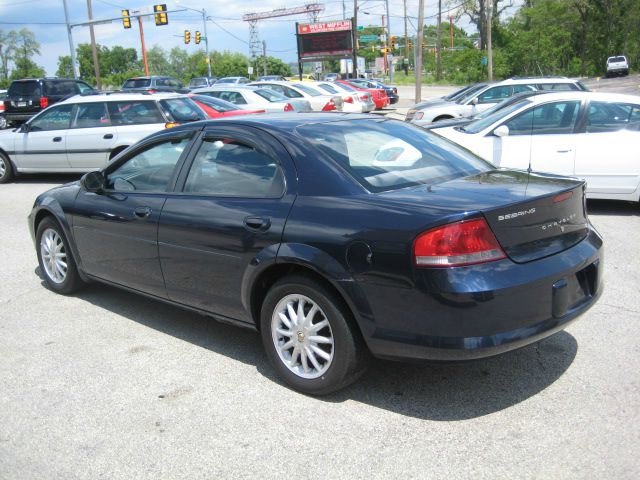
91 136
42 142
231 209
116 230
543 137
607 148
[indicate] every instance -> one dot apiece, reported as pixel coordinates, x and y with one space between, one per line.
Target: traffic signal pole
206 41
144 49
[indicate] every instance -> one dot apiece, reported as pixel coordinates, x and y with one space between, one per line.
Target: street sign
484 61
360 27
250 70
369 38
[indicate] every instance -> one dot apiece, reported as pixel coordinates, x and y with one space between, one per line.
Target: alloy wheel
54 255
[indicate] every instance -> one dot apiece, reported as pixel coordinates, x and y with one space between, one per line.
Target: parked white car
618 65
353 101
82 133
319 100
255 98
475 100
594 136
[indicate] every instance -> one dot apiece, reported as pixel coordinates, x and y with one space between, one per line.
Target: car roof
579 95
225 86
117 97
528 80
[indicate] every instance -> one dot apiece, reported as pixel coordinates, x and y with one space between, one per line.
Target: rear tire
309 336
6 169
56 259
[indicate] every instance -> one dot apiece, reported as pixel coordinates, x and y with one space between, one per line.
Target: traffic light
198 37
161 14
392 39
187 37
126 19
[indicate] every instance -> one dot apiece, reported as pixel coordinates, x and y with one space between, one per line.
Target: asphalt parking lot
107 384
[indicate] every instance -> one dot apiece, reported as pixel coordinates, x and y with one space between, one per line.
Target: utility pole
264 58
206 41
406 39
489 45
438 37
355 40
451 31
144 49
390 63
418 66
72 51
94 51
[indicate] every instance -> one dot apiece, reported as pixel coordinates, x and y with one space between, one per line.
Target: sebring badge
521 213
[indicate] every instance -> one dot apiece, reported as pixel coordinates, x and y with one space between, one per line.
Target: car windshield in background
481 124
270 95
457 93
137 83
388 154
24 89
227 80
182 110
468 93
308 90
216 103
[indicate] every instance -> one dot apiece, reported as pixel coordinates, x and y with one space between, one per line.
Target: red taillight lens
364 97
349 100
44 102
331 105
152 90
288 107
461 243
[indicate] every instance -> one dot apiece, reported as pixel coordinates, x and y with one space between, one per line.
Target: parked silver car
255 98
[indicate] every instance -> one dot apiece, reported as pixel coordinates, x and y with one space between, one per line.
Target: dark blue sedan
335 236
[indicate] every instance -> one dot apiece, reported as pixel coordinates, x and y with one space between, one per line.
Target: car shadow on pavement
434 392
617 208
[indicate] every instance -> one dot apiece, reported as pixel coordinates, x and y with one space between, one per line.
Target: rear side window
24 89
91 115
233 97
226 168
548 119
559 87
134 113
182 110
168 82
60 88
198 82
612 117
137 83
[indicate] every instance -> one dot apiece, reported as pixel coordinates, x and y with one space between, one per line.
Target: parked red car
378 94
216 108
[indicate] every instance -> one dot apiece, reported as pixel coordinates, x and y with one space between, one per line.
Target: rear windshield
137 83
617 59
24 89
308 90
182 110
388 154
270 95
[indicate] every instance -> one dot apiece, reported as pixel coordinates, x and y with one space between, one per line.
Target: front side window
150 170
83 87
91 115
55 118
548 119
226 168
612 117
134 112
495 94
137 83
388 154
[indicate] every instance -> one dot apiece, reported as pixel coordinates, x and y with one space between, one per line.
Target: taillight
44 102
462 243
152 90
331 105
288 107
349 100
364 97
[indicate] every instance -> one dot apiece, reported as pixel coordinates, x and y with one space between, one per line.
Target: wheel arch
445 116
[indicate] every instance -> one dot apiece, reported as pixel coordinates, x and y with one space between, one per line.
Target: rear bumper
18 117
479 311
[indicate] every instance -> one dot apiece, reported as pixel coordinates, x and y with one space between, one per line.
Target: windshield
270 95
454 94
468 93
216 103
388 154
182 110
308 90
137 83
480 124
503 104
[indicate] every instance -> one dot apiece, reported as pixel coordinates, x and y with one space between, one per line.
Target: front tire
6 169
55 258
309 336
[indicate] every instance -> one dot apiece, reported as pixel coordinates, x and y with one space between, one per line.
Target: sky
226 29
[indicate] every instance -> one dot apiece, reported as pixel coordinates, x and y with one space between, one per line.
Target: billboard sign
325 39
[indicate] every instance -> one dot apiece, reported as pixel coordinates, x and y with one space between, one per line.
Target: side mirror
474 101
501 131
24 128
93 181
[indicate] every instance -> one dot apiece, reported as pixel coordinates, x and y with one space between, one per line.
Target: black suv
153 84
29 96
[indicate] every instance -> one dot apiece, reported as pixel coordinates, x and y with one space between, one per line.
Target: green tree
275 66
26 47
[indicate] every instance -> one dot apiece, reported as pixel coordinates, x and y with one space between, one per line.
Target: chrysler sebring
337 237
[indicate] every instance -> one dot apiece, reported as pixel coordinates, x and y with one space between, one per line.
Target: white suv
476 100
618 65
82 133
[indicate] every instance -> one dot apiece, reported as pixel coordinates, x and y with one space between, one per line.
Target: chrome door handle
142 212
257 224
564 151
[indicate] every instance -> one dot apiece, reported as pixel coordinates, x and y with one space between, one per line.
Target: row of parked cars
548 124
